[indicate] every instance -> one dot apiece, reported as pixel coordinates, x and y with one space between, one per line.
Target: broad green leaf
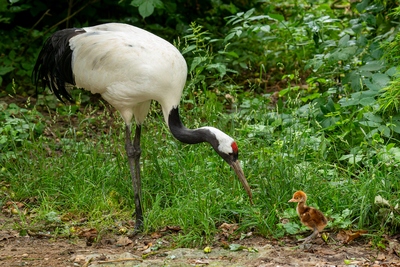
371 67
357 28
362 41
380 79
229 36
248 13
356 82
317 65
137 3
330 107
367 101
384 130
344 157
313 96
146 9
261 17
366 74
188 49
395 129
284 91
395 151
277 17
5 70
291 228
344 102
196 61
370 123
232 53
368 18
218 66
265 28
392 71
347 52
343 42
389 146
372 117
12 54
158 4
376 50
372 86
375 8
356 159
361 6
349 76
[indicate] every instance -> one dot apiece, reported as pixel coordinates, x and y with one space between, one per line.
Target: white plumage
129 67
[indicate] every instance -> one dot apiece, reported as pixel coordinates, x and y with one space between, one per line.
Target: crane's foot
137 229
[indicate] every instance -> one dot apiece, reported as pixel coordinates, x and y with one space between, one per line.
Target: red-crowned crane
129 67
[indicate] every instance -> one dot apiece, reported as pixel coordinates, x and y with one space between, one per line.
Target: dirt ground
43 249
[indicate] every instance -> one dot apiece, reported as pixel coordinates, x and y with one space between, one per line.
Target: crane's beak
239 172
292 200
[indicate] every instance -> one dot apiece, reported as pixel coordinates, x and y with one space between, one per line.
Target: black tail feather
53 65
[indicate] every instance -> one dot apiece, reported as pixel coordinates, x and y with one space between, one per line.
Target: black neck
185 135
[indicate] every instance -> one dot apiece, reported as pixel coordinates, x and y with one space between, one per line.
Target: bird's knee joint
132 152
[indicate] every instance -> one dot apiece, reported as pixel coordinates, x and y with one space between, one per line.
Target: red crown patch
234 147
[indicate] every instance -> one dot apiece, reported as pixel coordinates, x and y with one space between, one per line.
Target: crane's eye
297 197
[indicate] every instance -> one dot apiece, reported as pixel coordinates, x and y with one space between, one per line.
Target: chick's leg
308 239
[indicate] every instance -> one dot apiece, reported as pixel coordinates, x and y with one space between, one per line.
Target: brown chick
309 216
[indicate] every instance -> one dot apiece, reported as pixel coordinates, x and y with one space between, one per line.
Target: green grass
190 186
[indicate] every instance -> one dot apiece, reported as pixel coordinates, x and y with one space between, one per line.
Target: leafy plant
18 125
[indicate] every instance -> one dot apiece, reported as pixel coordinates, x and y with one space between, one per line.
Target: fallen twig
129 259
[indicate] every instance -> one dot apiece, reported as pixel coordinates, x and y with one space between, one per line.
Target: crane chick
309 216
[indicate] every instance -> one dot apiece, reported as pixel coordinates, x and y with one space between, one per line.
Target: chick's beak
292 200
239 172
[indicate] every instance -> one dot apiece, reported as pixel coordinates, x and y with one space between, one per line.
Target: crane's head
299 196
227 148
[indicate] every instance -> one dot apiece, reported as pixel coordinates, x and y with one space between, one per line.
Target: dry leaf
348 235
88 233
284 221
147 246
202 262
229 229
124 241
79 258
381 257
156 235
67 217
171 228
11 204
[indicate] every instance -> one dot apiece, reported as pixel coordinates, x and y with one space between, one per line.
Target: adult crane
129 67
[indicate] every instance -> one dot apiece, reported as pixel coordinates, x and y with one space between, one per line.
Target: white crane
129 67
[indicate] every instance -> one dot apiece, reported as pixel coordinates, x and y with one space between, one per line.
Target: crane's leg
133 151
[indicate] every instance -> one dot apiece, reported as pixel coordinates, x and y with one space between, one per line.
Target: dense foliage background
308 88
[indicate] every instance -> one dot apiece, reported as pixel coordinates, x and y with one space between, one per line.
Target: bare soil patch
43 249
